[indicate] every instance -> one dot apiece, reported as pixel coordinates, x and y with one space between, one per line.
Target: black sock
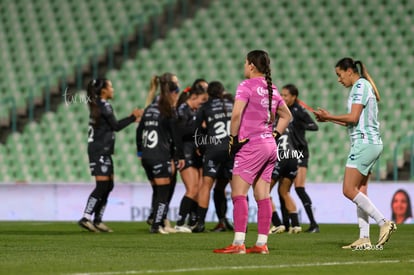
91 205
160 205
285 214
294 219
307 203
201 213
185 208
275 219
220 203
172 187
193 213
105 187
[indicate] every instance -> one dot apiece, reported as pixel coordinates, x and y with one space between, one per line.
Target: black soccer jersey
286 147
185 129
101 133
154 136
217 115
301 123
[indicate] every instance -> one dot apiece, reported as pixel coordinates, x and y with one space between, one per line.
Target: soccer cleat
385 232
102 227
182 229
313 229
159 230
220 227
232 249
168 228
258 249
87 224
199 228
277 229
360 244
295 229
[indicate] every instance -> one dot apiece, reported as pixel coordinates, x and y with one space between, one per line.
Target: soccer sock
275 219
172 188
192 220
294 219
104 188
160 205
239 238
90 206
363 223
153 199
185 208
240 214
99 212
261 240
285 214
307 203
201 213
366 205
264 216
220 203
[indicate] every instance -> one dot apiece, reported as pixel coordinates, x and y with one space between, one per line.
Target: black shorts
286 168
217 164
101 165
192 159
157 169
303 162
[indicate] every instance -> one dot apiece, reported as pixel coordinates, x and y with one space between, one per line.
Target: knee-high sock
275 219
366 205
307 203
264 216
185 209
285 214
160 205
107 187
240 213
363 223
220 203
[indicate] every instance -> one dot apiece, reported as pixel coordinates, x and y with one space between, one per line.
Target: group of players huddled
187 132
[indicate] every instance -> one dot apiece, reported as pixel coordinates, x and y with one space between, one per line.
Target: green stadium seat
304 39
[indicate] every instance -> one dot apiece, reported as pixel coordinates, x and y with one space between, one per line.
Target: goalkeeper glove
235 145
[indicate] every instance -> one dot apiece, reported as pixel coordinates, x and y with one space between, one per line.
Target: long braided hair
261 61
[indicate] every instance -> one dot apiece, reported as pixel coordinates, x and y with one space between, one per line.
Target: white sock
88 216
363 222
366 205
239 238
261 240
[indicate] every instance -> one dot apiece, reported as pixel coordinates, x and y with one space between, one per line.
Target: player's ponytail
367 76
261 61
165 102
94 89
347 62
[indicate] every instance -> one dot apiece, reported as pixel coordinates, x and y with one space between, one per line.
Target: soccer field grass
64 248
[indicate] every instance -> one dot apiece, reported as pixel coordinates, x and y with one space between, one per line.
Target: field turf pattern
65 248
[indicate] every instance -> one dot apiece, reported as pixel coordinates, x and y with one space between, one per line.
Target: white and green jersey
367 129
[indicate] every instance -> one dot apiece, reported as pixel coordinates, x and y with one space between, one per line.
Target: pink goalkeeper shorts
256 158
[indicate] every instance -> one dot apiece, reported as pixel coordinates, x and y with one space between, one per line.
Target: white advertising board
131 202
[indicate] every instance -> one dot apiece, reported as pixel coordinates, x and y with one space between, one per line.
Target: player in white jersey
366 147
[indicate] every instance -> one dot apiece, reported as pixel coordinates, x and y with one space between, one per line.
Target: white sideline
243 267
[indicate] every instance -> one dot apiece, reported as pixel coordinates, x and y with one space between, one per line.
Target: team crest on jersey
104 168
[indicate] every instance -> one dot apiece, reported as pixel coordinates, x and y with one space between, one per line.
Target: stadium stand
304 38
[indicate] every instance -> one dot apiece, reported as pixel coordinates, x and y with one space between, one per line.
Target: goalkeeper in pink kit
252 143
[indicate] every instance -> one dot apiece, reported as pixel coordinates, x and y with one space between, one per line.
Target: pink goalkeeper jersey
255 118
